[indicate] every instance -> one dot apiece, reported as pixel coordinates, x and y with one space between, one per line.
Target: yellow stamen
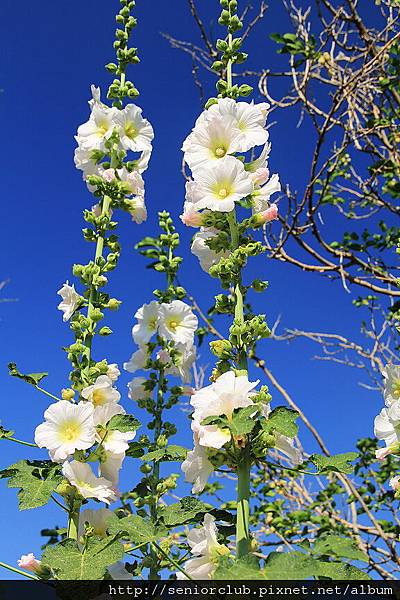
220 152
223 192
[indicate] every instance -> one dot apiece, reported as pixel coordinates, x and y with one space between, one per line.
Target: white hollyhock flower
191 217
248 118
113 441
197 468
101 392
70 300
111 466
261 162
177 322
147 325
392 384
136 133
283 443
88 485
93 134
136 389
183 362
133 180
113 372
97 519
204 545
211 140
96 96
138 210
220 186
118 571
67 427
199 248
395 483
387 428
137 361
143 162
261 196
84 162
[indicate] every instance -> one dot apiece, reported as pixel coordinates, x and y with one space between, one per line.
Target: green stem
12 439
73 523
47 393
229 65
15 570
171 560
243 509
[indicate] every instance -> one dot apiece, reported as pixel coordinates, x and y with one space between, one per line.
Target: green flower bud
105 331
245 90
221 348
67 394
114 304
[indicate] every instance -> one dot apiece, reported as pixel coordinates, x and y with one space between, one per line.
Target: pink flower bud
267 215
395 483
29 563
260 176
191 218
382 453
164 357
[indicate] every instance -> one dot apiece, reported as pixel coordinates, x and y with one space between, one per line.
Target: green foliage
340 463
37 480
123 423
31 378
282 420
70 562
135 529
170 453
187 510
341 547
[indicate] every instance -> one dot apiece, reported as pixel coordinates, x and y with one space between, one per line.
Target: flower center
102 128
70 431
99 398
173 324
223 192
396 389
220 152
130 131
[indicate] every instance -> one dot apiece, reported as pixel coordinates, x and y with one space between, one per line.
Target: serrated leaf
341 571
282 420
69 562
340 463
123 423
168 454
36 479
135 529
183 511
246 568
243 421
290 565
339 546
135 450
31 378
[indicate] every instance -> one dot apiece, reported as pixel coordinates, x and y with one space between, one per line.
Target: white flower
133 180
177 322
29 563
261 162
197 468
113 372
183 362
137 209
113 441
101 392
191 217
218 187
96 94
395 483
88 485
199 248
70 300
248 118
93 134
211 140
387 428
84 162
147 325
392 384
137 390
67 427
143 162
117 571
97 519
283 443
261 197
111 466
136 133
204 545
223 396
137 361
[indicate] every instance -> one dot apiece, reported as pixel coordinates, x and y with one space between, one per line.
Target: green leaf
339 546
245 568
135 450
123 423
340 463
5 433
69 562
135 529
183 511
243 421
31 378
282 420
36 479
340 571
168 454
290 565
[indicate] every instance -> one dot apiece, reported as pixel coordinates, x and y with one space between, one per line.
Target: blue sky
49 59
